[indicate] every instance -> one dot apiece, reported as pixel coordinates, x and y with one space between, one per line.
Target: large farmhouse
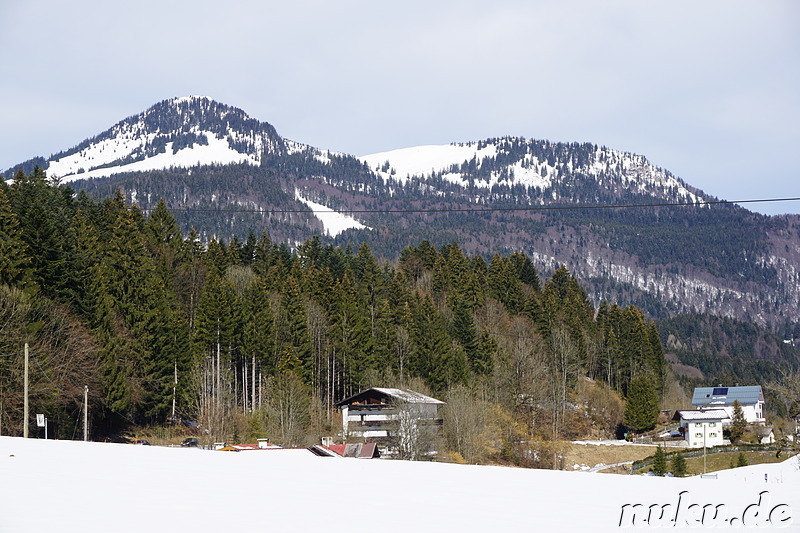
750 398
387 416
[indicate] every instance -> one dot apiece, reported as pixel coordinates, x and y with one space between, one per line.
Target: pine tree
678 465
464 329
738 423
525 269
641 410
434 356
294 348
164 240
659 466
14 260
351 333
44 219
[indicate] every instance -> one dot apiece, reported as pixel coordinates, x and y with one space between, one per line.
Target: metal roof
704 414
750 395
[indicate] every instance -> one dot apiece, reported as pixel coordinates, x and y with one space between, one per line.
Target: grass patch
592 455
723 461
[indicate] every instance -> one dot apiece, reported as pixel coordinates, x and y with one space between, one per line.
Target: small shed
765 435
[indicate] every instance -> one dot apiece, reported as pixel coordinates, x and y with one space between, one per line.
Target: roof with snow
711 396
703 414
380 396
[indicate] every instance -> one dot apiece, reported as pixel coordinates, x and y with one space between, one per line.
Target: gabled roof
713 396
377 396
703 414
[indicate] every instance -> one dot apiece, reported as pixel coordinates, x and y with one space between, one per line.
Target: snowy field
93 487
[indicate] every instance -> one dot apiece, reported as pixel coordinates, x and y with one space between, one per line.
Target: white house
751 399
703 428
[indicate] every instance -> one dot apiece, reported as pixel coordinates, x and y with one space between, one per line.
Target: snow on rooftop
409 396
70 486
704 414
334 223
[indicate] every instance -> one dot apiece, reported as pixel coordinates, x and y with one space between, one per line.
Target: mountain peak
178 132
190 98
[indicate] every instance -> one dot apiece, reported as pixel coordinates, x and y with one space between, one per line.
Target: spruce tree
44 219
678 465
659 466
641 410
351 333
14 260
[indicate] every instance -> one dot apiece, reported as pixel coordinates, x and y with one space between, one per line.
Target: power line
532 208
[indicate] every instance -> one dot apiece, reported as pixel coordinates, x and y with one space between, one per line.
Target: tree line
235 334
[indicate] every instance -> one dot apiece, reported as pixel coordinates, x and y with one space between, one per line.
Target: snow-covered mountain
231 175
530 164
176 133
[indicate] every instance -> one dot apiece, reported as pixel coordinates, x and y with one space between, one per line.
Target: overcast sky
709 90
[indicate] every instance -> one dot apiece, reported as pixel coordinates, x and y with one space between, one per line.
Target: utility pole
174 390
25 401
85 413
705 425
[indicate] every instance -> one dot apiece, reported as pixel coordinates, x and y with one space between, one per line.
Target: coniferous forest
252 337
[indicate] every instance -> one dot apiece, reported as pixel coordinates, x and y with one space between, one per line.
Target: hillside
722 350
226 174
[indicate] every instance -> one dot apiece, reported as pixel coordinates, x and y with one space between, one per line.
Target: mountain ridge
692 257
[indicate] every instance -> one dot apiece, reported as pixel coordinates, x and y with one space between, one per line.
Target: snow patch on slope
424 160
334 223
217 151
294 147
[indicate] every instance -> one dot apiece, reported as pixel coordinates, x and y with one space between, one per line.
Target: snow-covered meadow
94 487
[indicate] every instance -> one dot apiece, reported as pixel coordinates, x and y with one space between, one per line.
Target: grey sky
709 90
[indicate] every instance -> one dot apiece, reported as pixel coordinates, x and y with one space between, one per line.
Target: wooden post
85 413
174 390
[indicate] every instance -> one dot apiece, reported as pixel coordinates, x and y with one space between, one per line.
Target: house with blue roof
751 398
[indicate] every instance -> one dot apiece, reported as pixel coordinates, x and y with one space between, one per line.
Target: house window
712 424
698 435
698 425
712 435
